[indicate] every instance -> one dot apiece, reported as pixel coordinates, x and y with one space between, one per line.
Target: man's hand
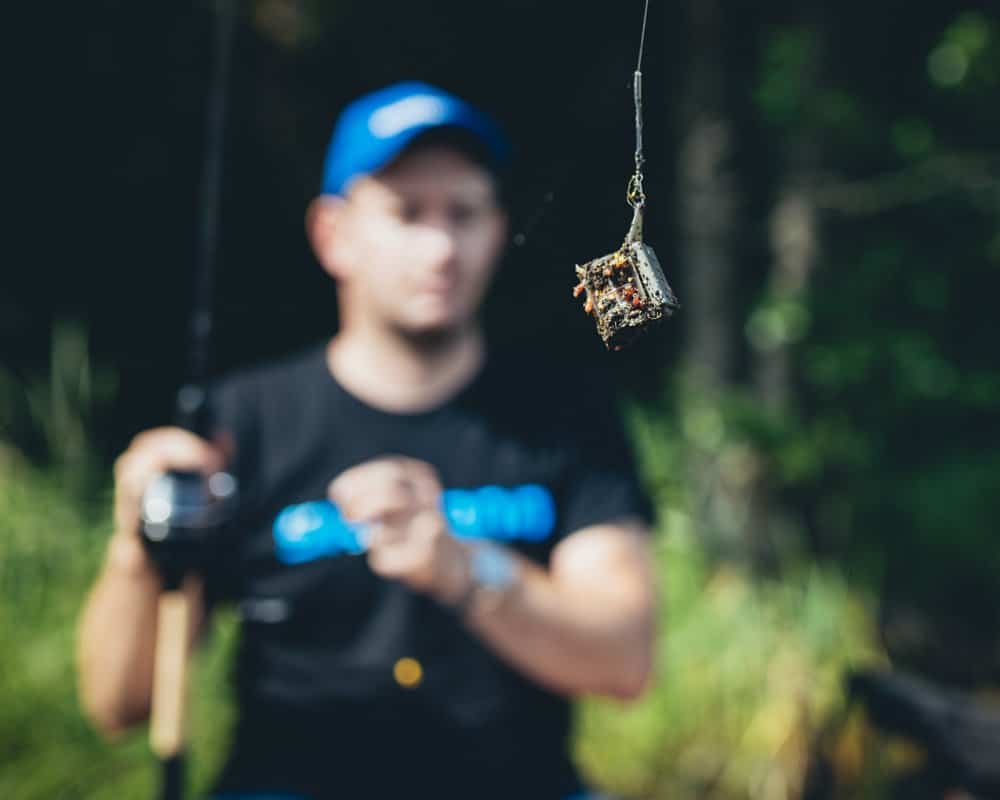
117 632
400 499
150 454
582 624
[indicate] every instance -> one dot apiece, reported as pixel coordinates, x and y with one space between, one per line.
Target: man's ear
324 223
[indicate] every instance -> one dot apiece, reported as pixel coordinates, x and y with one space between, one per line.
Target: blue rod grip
316 529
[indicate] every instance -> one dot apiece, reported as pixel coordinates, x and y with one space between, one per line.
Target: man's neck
405 374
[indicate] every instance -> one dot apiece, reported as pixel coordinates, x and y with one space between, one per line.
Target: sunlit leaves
949 63
783 86
50 549
745 673
778 324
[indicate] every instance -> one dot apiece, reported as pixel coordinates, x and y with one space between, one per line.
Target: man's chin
434 329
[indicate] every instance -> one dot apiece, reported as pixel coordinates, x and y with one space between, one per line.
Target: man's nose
438 242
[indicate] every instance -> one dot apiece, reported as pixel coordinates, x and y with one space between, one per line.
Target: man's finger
378 472
401 561
425 481
421 478
379 502
383 535
152 453
181 450
166 449
410 550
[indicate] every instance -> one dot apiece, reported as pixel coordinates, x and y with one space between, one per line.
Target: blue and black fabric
320 712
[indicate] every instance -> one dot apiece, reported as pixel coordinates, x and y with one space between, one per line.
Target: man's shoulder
558 395
241 395
274 373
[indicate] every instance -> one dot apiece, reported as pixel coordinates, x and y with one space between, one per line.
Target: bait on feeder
627 291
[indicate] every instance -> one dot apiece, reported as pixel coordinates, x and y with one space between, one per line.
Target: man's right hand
118 626
152 453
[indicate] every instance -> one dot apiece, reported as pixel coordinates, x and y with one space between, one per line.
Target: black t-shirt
320 711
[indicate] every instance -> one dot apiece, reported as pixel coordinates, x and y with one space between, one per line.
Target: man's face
415 246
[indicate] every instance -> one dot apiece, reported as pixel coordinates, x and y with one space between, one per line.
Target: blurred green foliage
50 549
745 677
56 411
886 456
748 673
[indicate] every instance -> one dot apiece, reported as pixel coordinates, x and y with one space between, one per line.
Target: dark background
556 75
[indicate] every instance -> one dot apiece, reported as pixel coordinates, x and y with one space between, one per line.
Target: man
431 664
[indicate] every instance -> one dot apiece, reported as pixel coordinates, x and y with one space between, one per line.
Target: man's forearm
574 641
116 638
584 624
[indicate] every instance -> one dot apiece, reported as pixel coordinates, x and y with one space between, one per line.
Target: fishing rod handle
174 627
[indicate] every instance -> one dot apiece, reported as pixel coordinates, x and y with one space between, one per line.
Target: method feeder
626 291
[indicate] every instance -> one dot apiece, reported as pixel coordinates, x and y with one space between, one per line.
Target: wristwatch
493 573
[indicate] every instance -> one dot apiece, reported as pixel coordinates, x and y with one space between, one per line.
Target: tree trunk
708 203
774 529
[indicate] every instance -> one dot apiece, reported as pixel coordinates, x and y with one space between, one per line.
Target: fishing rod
180 510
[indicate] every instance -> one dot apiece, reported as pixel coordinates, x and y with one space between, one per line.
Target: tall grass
749 675
748 692
50 548
54 414
748 671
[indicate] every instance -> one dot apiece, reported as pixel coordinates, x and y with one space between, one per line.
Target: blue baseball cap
377 127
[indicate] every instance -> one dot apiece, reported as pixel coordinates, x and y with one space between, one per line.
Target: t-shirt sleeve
602 483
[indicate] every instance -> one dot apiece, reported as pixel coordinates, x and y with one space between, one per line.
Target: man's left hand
400 500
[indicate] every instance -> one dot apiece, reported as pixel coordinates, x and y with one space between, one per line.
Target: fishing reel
178 514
